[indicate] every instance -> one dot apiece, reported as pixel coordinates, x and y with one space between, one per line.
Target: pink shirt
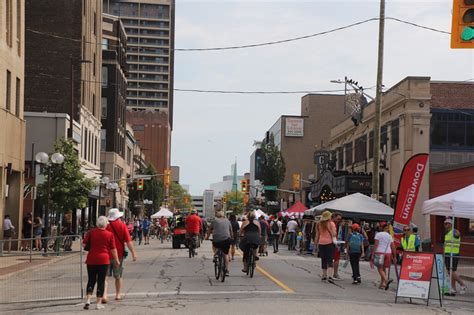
325 236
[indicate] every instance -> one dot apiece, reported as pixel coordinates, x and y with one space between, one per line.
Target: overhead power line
257 44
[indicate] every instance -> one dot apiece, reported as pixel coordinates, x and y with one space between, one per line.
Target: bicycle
251 261
219 265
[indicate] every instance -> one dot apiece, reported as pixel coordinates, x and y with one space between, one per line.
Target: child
355 248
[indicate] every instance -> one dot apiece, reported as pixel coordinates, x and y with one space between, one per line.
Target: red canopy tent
297 210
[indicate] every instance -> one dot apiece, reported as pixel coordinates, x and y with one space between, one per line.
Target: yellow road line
272 278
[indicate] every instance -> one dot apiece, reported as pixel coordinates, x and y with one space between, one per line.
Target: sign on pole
416 275
270 187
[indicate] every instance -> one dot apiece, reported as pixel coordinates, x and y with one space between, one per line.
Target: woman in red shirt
101 243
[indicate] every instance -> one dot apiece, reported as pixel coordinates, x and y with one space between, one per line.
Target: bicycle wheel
190 251
222 266
251 266
216 269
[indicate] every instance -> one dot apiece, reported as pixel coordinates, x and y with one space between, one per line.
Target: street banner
416 275
408 188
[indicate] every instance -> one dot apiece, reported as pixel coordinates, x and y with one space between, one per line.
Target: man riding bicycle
221 230
193 228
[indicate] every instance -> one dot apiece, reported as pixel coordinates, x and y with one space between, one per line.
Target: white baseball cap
114 214
448 221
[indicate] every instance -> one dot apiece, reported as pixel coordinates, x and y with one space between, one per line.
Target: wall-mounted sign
294 127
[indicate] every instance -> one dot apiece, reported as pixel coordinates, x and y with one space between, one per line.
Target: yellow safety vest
409 245
452 244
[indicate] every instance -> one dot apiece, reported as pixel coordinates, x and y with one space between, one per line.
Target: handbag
87 247
379 258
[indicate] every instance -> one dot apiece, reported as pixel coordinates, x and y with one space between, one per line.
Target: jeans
275 240
355 259
96 273
291 240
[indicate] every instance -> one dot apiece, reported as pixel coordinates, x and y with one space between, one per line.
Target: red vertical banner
408 188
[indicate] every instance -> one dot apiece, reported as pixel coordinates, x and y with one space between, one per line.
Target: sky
211 131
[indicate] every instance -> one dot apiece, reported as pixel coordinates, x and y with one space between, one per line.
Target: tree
235 202
181 199
273 167
69 186
152 190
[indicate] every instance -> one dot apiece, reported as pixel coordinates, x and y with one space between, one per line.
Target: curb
34 267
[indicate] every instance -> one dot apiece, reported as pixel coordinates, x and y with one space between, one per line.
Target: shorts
7 233
447 262
337 254
116 272
387 260
223 245
264 239
145 232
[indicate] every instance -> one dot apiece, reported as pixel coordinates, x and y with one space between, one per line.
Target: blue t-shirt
146 225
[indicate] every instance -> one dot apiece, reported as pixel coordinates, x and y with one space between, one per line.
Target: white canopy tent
164 212
459 204
259 213
356 206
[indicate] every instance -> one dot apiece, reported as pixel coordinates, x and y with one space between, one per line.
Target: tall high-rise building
149 25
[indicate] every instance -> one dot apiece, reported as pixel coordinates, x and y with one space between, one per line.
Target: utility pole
378 105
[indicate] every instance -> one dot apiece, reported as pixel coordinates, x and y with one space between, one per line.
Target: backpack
355 243
275 228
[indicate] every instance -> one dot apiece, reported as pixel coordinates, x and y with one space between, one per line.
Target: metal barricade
51 272
464 266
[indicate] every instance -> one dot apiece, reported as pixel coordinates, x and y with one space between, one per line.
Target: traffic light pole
378 104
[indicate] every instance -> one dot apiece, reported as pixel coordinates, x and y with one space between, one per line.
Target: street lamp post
113 187
44 159
147 202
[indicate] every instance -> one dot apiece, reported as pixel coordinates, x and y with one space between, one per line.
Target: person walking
275 230
146 230
264 227
383 254
37 232
336 218
325 236
121 237
8 232
292 229
101 245
452 246
355 249
235 234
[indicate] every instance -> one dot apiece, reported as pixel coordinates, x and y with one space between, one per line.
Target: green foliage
178 194
273 168
69 186
235 202
153 191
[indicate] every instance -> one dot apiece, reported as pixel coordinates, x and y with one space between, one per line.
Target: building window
395 134
8 91
103 139
138 127
86 143
104 107
18 25
105 43
84 7
95 23
93 105
361 149
452 129
94 65
105 76
371 144
9 22
348 153
18 98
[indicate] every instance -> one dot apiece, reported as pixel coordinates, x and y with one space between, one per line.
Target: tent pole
451 256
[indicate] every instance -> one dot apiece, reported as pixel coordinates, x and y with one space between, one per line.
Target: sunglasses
407 230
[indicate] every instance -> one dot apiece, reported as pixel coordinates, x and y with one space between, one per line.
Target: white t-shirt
292 226
385 240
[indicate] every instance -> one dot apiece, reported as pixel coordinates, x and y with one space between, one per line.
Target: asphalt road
166 281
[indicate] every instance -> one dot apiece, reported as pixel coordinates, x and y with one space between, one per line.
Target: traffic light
296 181
462 30
186 200
140 184
244 185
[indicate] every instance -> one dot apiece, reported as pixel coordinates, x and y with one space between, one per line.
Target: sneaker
99 307
337 278
463 290
215 259
359 280
331 280
324 278
86 306
355 282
